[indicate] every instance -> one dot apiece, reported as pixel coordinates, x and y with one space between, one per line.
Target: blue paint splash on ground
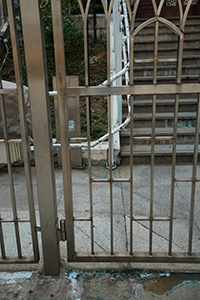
153 275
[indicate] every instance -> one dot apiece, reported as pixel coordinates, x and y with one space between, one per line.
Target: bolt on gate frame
38 88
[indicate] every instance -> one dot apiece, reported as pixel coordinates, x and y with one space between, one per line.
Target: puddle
160 285
157 284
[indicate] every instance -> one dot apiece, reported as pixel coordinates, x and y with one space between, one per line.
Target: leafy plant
98 123
73 42
74 63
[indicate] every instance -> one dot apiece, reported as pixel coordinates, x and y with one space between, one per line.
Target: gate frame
37 75
34 44
24 141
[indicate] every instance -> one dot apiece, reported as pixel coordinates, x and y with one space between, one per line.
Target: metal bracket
61 232
38 228
113 167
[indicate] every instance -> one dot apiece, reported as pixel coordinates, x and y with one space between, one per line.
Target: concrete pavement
89 286
100 284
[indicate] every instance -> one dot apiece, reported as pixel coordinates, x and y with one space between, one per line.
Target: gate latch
61 232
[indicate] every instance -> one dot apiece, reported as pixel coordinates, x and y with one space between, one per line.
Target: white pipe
122 72
126 25
53 93
116 76
113 78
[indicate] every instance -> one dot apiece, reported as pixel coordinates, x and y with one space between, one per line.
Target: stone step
143 71
166 79
163 131
165 37
190 29
192 21
163 97
164 105
185 135
188 60
163 119
150 54
166 74
163 153
171 52
169 45
162 30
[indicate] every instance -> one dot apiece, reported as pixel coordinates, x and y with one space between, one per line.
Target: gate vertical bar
110 173
131 57
131 177
178 81
88 109
25 140
153 139
194 179
110 158
173 175
12 190
38 90
3 252
152 173
9 165
90 175
63 119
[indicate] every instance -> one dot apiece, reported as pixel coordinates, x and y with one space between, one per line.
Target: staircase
166 74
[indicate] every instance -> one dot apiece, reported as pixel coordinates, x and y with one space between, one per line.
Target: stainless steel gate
13 145
37 77
133 90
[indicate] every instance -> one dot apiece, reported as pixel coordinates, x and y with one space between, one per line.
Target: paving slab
141 238
99 284
101 211
103 281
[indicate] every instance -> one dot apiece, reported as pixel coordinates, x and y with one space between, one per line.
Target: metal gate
154 89
13 148
38 89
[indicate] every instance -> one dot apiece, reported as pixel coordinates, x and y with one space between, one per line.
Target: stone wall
100 25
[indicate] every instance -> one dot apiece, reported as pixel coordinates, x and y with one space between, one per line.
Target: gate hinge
61 232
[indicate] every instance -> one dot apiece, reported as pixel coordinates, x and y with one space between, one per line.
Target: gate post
38 91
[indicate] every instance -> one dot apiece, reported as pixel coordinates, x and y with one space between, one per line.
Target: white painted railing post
116 66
